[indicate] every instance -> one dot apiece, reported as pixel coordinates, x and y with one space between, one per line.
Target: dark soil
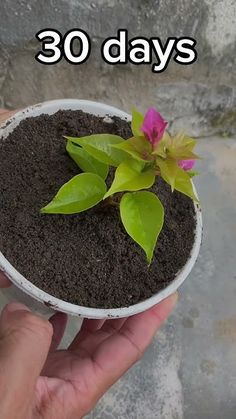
86 259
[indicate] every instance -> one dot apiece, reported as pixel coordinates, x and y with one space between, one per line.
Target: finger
88 340
87 330
58 322
4 281
25 340
90 325
111 326
121 350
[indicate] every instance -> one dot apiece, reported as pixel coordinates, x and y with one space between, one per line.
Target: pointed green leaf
169 169
176 177
137 147
182 140
79 194
130 176
185 141
142 215
182 154
100 147
160 149
181 147
85 161
137 122
184 184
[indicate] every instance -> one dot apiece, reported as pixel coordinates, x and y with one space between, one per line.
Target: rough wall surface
200 96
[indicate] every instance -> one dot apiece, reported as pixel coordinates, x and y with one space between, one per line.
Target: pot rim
57 304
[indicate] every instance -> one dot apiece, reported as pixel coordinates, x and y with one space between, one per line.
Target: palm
72 381
66 386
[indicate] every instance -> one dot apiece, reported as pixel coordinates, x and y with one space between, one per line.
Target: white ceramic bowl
59 305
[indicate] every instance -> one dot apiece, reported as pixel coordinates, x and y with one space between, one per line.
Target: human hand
4 281
39 382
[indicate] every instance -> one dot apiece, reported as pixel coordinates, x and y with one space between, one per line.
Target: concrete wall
200 97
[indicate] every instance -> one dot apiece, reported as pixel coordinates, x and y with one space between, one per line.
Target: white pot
59 305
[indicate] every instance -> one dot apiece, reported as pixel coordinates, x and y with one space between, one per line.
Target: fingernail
16 307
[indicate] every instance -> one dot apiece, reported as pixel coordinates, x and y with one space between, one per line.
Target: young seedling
150 152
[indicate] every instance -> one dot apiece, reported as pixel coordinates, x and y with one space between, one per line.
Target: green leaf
161 147
184 185
130 176
181 147
85 161
79 194
176 177
100 147
182 140
138 147
137 122
142 215
169 169
182 154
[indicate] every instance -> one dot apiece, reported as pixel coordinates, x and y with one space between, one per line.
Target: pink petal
153 126
186 164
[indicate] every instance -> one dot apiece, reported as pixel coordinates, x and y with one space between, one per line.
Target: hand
39 382
4 281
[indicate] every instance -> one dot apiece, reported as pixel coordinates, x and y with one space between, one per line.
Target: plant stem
110 202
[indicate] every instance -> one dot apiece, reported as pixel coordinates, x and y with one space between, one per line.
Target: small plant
149 153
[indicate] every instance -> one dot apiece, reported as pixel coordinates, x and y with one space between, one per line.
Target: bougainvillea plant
150 152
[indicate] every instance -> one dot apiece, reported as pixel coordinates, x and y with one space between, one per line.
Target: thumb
25 339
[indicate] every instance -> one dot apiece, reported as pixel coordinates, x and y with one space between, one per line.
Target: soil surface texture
87 258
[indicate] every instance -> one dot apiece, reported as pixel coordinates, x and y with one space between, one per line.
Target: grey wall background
200 97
